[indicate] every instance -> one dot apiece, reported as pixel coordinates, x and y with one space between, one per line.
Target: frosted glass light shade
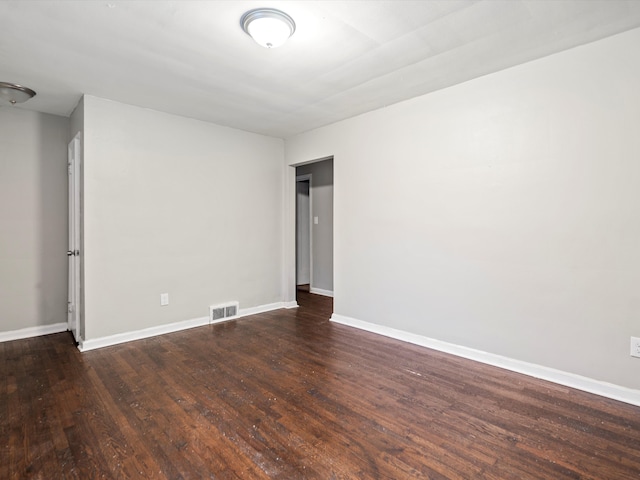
268 27
13 93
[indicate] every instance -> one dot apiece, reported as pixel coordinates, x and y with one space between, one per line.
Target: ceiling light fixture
13 93
267 26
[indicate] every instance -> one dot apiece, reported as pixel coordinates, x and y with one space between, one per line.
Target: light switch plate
164 299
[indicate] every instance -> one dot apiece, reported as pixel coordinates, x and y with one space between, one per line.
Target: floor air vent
231 311
223 312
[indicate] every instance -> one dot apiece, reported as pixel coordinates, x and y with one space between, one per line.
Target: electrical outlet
635 347
164 299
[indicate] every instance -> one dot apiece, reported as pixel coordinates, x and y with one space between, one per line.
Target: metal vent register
223 312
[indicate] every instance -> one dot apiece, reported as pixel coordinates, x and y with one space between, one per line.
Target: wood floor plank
290 395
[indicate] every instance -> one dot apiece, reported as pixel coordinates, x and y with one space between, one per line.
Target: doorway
303 232
314 228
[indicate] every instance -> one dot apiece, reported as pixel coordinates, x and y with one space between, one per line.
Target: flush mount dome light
267 26
13 93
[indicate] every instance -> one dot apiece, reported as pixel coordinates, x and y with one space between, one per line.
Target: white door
73 310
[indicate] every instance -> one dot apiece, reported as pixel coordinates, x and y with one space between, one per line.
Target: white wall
500 214
322 204
179 206
33 219
76 120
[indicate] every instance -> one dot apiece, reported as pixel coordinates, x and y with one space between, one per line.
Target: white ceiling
191 58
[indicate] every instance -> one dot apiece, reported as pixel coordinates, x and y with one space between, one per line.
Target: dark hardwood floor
289 395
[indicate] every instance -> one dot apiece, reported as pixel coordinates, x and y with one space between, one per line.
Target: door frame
308 177
289 286
74 161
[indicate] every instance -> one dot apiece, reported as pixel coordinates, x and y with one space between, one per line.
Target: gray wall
33 219
500 214
179 206
322 205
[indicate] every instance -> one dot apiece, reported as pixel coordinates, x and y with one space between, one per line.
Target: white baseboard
32 332
92 344
244 312
604 389
320 291
293 304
